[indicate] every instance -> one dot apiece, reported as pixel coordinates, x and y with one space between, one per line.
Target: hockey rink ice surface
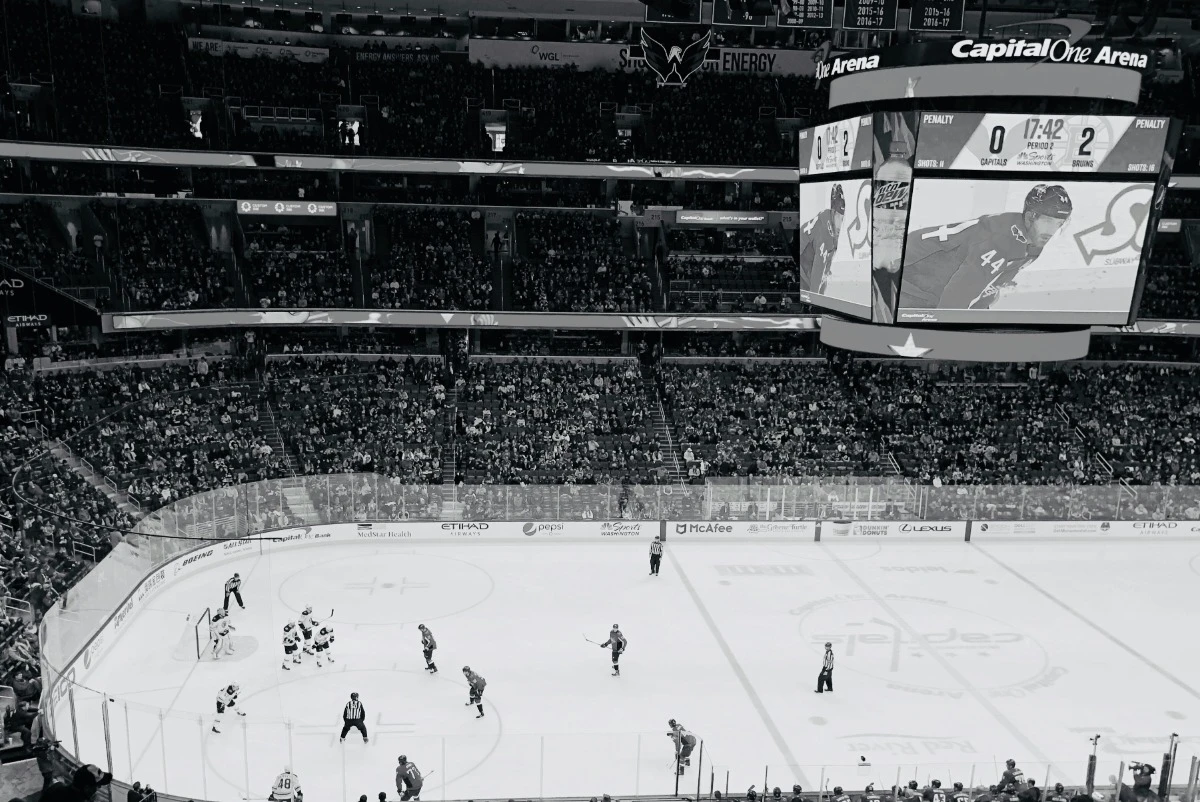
951 658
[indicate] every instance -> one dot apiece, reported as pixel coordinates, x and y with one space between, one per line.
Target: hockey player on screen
291 644
226 700
965 265
428 644
818 242
618 643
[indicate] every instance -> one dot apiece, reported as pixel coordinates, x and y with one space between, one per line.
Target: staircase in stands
663 429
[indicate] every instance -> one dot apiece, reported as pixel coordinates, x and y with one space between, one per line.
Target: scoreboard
1041 143
837 147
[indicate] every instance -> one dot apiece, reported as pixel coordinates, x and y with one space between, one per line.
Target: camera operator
84 784
1142 778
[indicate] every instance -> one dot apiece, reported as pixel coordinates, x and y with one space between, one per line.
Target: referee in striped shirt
353 716
655 555
825 678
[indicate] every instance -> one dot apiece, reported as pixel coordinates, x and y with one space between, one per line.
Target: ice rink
951 657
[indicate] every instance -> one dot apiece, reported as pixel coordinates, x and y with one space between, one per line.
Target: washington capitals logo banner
675 64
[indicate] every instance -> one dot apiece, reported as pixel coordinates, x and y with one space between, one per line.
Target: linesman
233 587
353 715
655 555
825 678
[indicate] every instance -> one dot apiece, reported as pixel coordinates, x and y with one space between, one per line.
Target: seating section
293 267
430 262
539 422
576 262
346 416
163 258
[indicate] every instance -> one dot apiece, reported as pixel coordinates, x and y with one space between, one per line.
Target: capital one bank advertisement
627 58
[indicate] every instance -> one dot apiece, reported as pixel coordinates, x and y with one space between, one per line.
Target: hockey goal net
193 641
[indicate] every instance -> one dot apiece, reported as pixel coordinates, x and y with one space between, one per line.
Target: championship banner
220 47
625 58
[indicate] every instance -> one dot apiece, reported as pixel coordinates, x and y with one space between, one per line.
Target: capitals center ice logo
929 647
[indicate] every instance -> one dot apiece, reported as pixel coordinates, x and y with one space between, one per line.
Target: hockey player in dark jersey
959 795
839 795
1013 778
618 643
965 265
934 792
818 242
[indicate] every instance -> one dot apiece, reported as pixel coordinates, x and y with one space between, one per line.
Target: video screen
833 254
1033 252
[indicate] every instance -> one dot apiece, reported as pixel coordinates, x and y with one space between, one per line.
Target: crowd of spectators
164 260
294 267
1172 290
576 262
431 262
25 243
550 422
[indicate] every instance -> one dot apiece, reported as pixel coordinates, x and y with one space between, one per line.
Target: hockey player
321 642
291 644
965 265
817 242
685 742
911 792
618 643
214 635
225 632
959 795
1059 794
839 795
286 787
306 627
1011 781
934 792
428 644
226 700
869 794
408 779
477 684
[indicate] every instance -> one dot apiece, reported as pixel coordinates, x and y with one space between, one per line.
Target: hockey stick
589 640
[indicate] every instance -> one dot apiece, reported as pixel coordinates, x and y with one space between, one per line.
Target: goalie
286 787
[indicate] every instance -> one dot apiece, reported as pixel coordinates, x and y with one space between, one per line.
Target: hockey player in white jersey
321 642
214 635
224 634
291 644
226 700
286 787
306 627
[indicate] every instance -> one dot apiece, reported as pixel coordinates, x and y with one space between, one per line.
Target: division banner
627 58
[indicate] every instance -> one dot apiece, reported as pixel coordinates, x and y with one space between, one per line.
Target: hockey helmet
234 687
466 669
936 783
869 789
403 758
291 624
796 789
616 626
837 790
672 723
912 784
958 786
421 627
1058 788
1012 764
307 609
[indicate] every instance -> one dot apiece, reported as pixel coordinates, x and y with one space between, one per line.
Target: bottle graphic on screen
893 184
